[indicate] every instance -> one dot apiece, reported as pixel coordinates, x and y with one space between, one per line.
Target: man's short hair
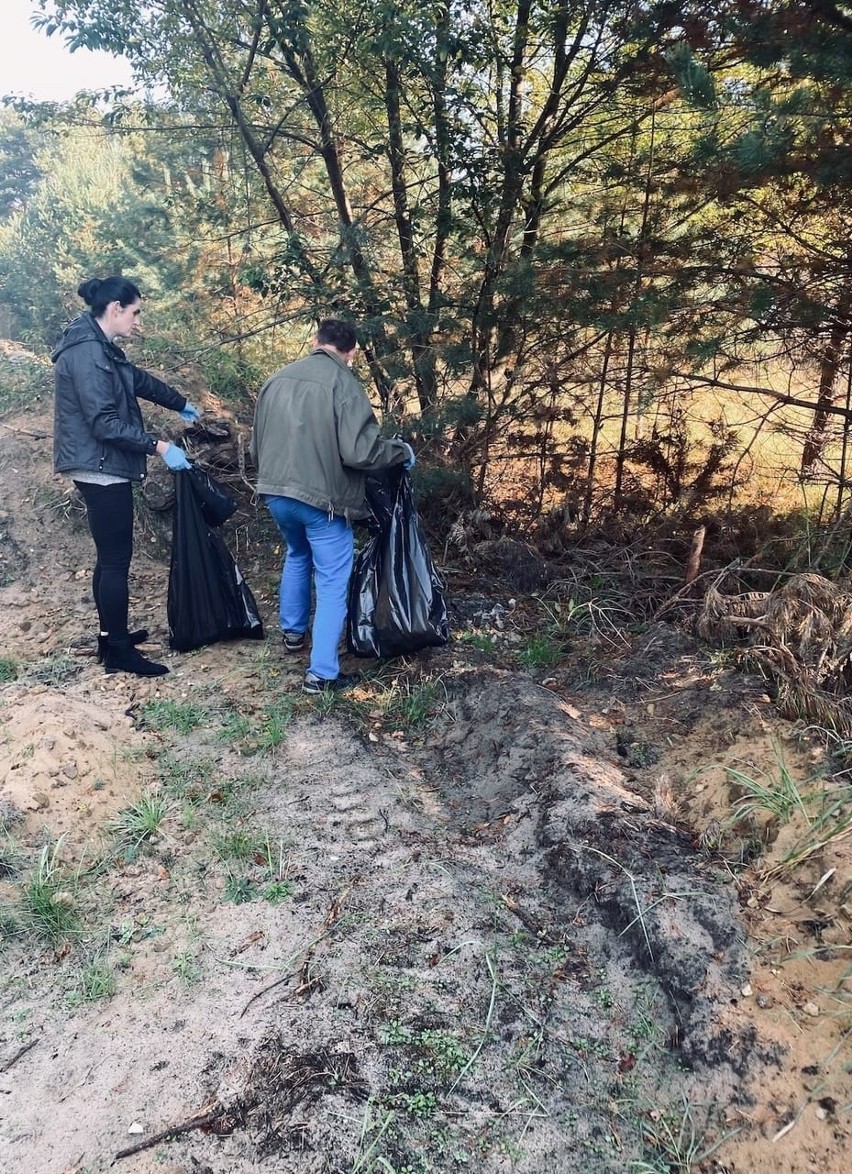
337 333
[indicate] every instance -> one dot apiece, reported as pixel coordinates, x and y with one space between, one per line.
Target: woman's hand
175 457
190 413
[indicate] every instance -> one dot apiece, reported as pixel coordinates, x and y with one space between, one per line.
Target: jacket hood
84 329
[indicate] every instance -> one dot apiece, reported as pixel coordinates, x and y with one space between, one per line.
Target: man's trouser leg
326 544
294 594
333 549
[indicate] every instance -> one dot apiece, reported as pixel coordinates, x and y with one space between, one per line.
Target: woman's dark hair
98 292
337 333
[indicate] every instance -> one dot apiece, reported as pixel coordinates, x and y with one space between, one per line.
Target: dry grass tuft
799 636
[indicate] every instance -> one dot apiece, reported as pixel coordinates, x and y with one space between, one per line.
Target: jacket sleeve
359 438
148 387
94 383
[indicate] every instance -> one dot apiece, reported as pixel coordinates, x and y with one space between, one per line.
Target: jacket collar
85 328
332 354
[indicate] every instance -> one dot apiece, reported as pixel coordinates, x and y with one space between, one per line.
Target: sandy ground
508 936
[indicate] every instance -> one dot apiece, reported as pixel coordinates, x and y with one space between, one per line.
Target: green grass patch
481 641
236 728
277 891
8 669
139 822
400 702
772 793
55 671
190 779
185 966
96 981
239 889
542 651
172 715
48 900
10 927
274 724
239 846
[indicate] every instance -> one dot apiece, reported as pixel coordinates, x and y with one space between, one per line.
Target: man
315 436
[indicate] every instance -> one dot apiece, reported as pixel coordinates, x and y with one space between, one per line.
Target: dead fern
799 636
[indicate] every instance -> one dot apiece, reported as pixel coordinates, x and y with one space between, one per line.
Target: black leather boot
121 657
137 637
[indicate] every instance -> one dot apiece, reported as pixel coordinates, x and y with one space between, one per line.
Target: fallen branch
541 932
331 917
199 1121
20 1052
686 590
24 432
270 986
693 564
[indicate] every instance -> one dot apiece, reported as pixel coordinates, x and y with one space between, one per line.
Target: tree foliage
553 222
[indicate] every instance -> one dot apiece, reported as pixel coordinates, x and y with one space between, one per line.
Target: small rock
69 769
40 801
135 1128
821 1113
811 1009
747 991
765 1002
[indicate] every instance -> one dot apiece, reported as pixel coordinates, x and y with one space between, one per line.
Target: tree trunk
829 369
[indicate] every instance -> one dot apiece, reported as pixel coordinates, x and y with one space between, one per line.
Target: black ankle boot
121 657
137 637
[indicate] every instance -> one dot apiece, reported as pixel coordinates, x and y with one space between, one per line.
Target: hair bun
88 290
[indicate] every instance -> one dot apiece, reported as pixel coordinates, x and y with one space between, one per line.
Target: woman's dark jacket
97 421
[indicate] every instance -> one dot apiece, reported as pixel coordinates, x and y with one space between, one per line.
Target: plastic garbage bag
217 505
208 598
396 597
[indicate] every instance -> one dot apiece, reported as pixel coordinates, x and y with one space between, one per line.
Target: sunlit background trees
598 251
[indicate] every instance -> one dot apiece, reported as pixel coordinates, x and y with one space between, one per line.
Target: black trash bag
396 597
208 598
217 505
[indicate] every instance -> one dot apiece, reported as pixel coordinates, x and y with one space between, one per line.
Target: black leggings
109 509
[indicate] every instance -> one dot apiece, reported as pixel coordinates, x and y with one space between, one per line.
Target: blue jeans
323 546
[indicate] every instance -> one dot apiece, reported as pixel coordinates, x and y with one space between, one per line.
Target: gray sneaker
293 641
315 684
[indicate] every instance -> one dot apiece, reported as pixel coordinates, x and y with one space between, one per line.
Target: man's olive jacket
315 436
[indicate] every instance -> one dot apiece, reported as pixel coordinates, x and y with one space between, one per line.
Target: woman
100 442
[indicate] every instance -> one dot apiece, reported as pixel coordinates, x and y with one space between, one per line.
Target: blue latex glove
411 460
190 413
176 458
